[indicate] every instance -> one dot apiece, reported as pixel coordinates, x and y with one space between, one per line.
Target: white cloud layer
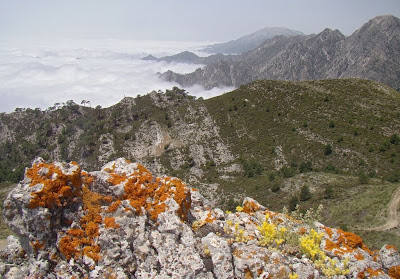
102 72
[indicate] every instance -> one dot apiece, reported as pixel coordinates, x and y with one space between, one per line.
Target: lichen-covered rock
122 222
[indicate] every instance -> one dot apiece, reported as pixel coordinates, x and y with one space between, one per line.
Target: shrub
328 150
271 176
305 193
287 172
385 145
294 201
252 168
363 178
275 188
305 167
330 168
395 139
394 177
329 192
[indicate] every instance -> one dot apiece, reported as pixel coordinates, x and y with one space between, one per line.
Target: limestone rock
123 222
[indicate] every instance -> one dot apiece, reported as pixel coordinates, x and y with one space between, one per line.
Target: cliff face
122 222
370 53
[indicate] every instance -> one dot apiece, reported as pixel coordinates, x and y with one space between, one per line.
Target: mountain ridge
250 41
369 53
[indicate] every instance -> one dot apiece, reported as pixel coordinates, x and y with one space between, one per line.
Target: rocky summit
123 222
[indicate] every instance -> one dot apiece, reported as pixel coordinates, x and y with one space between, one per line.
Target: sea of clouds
102 71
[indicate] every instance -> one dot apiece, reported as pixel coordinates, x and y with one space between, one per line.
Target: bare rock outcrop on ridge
122 222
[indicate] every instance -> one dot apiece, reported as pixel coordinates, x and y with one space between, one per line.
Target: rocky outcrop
122 222
369 53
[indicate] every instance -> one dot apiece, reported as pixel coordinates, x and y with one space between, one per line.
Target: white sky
186 20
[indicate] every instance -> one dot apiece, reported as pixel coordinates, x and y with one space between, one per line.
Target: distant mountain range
226 50
250 41
371 52
189 57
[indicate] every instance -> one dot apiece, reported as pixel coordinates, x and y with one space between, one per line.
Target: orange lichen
82 239
250 207
58 189
328 231
390 247
92 229
146 192
116 179
347 242
92 252
107 199
38 245
350 239
210 219
114 206
158 208
76 232
247 273
302 231
69 247
372 272
359 257
87 179
394 272
110 223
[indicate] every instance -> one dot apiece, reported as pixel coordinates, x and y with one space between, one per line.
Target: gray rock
116 241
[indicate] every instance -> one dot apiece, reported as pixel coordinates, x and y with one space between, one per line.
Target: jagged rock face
369 53
122 222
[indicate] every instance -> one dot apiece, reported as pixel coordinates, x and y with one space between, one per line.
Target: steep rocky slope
123 222
370 53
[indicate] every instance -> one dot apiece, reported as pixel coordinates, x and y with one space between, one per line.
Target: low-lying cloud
102 72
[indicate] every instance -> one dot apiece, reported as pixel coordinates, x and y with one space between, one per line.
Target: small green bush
305 193
328 150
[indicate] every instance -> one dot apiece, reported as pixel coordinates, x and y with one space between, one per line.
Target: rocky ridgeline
122 222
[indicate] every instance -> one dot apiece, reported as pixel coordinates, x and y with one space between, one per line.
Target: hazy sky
204 20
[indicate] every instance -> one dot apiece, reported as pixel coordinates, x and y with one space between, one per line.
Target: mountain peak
385 18
385 24
329 33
